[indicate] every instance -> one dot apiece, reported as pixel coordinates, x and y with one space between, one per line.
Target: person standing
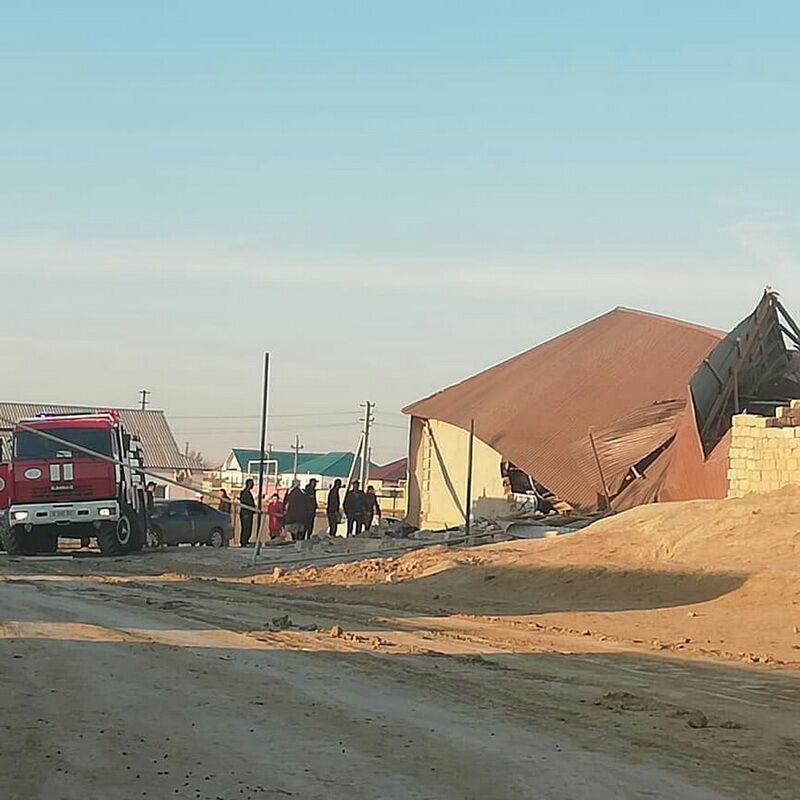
275 511
334 508
150 496
246 514
373 508
224 502
311 506
354 508
295 511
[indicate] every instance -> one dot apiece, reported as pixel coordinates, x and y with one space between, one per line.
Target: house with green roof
243 463
329 466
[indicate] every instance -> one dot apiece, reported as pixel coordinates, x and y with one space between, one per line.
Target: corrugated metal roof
248 459
627 441
331 465
393 471
535 407
160 449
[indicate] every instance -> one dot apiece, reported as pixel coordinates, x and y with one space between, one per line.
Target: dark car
189 522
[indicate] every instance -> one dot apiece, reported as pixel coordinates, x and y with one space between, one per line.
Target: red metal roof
536 407
393 471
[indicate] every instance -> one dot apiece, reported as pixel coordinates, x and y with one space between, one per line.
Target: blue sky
386 196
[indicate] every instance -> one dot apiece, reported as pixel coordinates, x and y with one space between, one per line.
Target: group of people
360 508
293 517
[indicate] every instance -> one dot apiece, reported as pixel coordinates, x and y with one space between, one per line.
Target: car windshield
31 445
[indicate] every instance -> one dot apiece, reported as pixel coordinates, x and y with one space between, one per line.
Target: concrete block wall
765 451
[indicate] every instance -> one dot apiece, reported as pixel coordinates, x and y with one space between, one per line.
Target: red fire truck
59 485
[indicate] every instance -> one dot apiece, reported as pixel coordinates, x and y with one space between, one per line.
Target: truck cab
74 476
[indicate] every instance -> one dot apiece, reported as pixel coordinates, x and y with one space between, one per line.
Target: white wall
437 467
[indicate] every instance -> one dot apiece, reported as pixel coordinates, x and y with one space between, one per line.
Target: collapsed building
628 408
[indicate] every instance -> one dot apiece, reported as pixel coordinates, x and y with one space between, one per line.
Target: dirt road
141 685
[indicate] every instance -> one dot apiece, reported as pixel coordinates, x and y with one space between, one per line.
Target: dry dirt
654 654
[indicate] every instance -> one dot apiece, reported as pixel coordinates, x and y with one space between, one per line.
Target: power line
271 416
272 428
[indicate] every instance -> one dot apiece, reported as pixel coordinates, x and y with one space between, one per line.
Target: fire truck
74 476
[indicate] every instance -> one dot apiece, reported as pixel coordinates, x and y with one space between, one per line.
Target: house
243 463
390 485
628 408
327 468
161 454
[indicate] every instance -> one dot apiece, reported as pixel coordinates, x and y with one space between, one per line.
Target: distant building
161 454
243 463
390 483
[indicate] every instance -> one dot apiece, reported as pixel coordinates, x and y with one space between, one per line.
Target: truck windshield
31 445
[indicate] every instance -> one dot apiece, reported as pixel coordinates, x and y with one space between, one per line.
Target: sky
387 197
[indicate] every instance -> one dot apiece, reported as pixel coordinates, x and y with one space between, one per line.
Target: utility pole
365 450
259 504
143 394
355 461
297 447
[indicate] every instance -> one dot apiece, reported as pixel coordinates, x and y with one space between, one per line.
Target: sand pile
650 557
753 533
745 535
713 579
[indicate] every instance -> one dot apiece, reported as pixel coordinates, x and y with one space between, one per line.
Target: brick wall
765 451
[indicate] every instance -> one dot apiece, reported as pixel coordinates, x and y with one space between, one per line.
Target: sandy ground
567 668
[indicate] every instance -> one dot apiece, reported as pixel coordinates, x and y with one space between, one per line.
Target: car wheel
217 538
155 538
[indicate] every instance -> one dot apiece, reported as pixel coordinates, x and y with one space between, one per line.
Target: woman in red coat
275 511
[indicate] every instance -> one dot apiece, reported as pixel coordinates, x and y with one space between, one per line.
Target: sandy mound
715 579
741 536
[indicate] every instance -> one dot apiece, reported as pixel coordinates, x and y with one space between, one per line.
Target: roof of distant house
331 465
392 472
248 459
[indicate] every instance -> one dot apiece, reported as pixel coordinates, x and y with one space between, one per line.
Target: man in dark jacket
334 508
311 506
355 506
295 511
246 514
373 508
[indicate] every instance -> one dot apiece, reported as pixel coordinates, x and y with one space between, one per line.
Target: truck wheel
3 530
137 538
18 542
115 538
